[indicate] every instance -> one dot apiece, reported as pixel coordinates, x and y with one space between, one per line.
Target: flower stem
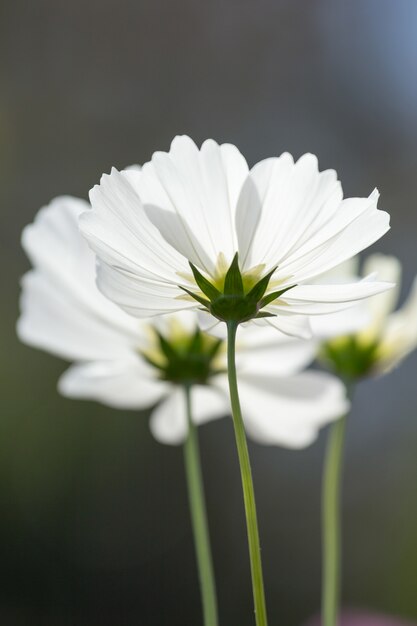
199 519
247 483
331 523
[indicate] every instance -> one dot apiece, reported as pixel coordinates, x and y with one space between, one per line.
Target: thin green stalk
247 483
331 523
199 519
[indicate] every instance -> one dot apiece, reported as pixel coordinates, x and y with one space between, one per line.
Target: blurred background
94 526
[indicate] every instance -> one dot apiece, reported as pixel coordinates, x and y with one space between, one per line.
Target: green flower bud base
188 360
237 300
348 357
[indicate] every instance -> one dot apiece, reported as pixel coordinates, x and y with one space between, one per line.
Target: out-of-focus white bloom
383 337
203 207
127 363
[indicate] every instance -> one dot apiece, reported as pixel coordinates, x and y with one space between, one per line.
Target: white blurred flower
125 362
201 207
383 337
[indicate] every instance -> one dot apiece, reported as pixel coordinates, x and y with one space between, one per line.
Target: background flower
64 313
384 336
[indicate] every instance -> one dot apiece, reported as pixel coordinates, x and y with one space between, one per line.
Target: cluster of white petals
392 333
63 312
205 205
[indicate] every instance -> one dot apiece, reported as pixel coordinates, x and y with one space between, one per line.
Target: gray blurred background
94 527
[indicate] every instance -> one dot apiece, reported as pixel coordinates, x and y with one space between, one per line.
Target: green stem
199 519
247 483
331 523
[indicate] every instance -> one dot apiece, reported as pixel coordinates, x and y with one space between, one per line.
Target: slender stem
199 519
331 523
247 483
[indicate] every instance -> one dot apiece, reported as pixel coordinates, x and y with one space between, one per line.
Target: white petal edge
322 299
387 268
400 336
118 384
168 422
290 412
265 350
53 319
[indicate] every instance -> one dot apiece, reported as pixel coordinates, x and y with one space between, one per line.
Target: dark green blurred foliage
94 527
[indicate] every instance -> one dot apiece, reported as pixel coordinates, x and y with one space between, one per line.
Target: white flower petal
208 403
118 228
177 233
54 233
368 316
188 192
280 203
211 325
400 335
290 411
292 325
387 268
346 322
127 384
342 214
54 320
62 309
321 299
262 350
169 420
131 168
180 321
368 225
55 247
345 272
138 297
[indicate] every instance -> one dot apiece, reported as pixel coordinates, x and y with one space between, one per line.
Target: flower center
233 296
184 357
349 357
249 277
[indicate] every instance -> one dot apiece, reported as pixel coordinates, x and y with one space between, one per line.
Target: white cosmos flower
205 205
383 337
63 312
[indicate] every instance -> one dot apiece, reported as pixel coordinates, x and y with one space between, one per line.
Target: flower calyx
186 361
233 302
349 358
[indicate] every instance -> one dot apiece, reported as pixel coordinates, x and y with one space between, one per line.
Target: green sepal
166 347
232 304
215 348
203 301
186 360
348 358
234 308
264 314
205 285
270 297
259 289
148 359
233 283
196 342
